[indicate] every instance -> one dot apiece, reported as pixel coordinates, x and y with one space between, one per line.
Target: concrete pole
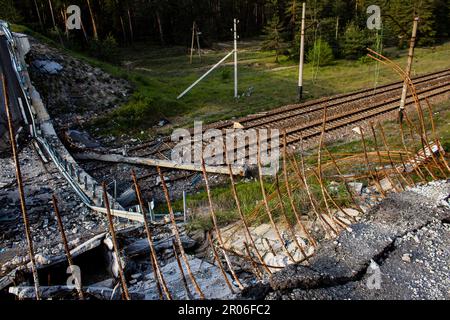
302 55
409 65
235 58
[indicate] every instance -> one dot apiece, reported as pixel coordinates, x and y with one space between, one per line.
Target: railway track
305 120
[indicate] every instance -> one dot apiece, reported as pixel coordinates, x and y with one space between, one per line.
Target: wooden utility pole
192 41
408 67
197 34
302 55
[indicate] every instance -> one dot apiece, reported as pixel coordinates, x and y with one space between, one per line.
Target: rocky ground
73 91
399 250
41 181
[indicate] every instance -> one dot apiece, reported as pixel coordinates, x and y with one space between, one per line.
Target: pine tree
274 39
294 13
8 12
320 54
355 42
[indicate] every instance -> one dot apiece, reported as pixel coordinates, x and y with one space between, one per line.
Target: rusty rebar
366 158
241 215
249 258
335 204
319 165
302 176
422 133
183 276
21 190
112 231
344 181
78 284
254 265
290 195
380 160
436 138
159 277
216 227
411 132
415 167
176 233
408 181
288 222
266 204
216 257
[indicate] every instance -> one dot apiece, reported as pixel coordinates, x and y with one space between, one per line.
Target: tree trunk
131 25
161 32
39 15
94 25
54 22
53 15
123 29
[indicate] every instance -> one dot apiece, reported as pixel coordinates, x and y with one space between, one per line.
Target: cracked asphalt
399 251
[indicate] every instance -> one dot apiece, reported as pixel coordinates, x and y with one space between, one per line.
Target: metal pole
408 67
115 245
203 76
184 206
21 191
302 55
235 58
115 192
66 246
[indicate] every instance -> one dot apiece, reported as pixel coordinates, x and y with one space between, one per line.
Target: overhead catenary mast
302 55
408 67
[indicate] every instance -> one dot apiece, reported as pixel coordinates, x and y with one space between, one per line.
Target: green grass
161 74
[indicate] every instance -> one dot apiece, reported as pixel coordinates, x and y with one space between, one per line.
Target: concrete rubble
406 237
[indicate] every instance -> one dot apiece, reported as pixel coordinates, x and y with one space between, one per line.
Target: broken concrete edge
90 244
138 248
102 293
347 258
47 130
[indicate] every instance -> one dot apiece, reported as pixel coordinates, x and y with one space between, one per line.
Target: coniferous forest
337 26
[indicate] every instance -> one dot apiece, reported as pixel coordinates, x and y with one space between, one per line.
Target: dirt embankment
74 92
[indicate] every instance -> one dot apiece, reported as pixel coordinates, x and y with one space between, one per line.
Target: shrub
106 49
355 42
321 52
226 74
